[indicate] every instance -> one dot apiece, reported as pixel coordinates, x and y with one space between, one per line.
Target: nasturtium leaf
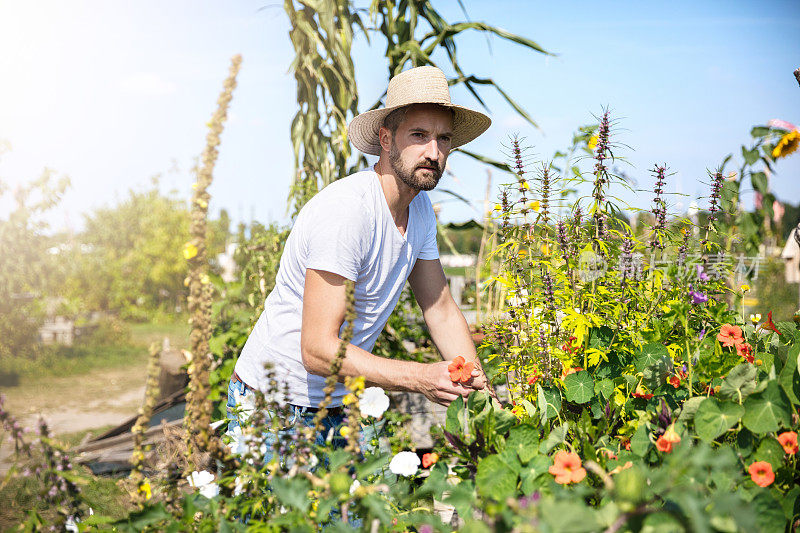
292 492
504 420
640 442
604 387
791 503
495 478
771 451
759 131
745 442
579 387
549 402
767 361
713 418
529 408
767 410
689 408
648 355
566 515
539 465
524 440
657 373
768 511
750 156
739 383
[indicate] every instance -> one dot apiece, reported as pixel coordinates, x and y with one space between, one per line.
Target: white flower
404 464
245 404
354 487
71 525
238 486
218 423
374 402
203 481
238 445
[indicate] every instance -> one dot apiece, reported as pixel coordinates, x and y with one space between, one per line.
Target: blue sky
114 93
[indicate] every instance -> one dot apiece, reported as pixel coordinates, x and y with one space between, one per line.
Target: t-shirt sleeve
337 237
430 249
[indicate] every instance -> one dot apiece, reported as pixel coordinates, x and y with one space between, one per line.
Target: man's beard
409 175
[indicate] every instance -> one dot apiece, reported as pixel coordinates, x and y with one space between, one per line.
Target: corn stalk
327 96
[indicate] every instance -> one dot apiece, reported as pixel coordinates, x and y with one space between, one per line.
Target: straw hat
420 85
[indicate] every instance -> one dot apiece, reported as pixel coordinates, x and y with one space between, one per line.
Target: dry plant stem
198 404
143 421
336 364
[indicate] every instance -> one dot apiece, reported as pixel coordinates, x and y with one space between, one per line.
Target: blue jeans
239 396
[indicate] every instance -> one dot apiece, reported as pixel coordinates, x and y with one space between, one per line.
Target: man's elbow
313 361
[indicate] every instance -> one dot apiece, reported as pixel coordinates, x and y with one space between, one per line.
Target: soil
76 403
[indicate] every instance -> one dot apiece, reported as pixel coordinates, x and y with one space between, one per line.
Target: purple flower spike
702 334
698 297
701 275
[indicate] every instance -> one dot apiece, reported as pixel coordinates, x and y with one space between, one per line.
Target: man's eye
416 134
445 139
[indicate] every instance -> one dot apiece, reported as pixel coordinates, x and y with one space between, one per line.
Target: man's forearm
389 374
450 334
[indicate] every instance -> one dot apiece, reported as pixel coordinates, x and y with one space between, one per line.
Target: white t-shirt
346 229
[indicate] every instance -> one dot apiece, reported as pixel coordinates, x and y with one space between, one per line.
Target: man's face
420 146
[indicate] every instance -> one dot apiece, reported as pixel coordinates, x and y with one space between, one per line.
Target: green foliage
28 269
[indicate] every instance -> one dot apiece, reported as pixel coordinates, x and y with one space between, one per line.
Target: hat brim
363 129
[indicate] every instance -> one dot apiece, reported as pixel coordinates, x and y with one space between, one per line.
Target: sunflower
787 144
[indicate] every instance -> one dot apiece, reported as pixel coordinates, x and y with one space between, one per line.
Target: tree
27 268
131 258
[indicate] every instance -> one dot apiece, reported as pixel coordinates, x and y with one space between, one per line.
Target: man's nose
432 150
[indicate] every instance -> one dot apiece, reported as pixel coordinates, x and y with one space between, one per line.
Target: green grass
177 332
126 348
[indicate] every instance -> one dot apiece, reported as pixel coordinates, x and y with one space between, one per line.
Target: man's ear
385 138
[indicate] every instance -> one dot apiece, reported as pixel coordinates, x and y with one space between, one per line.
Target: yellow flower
205 280
534 205
194 186
592 142
202 203
144 488
349 399
787 144
745 288
498 207
355 384
756 318
345 431
522 253
545 249
189 250
525 185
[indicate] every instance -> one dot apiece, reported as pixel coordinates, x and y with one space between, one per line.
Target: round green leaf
649 354
739 383
495 479
770 451
579 387
524 440
713 418
767 410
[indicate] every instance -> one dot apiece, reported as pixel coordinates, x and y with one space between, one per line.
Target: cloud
147 84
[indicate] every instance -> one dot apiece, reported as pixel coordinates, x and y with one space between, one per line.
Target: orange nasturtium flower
788 440
769 324
567 468
745 351
761 473
429 459
640 393
730 335
460 371
675 381
665 442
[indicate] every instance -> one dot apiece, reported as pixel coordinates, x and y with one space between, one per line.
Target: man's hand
435 383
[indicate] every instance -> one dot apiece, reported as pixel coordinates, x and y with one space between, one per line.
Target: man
376 228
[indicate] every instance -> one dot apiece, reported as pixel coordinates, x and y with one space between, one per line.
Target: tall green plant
327 96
